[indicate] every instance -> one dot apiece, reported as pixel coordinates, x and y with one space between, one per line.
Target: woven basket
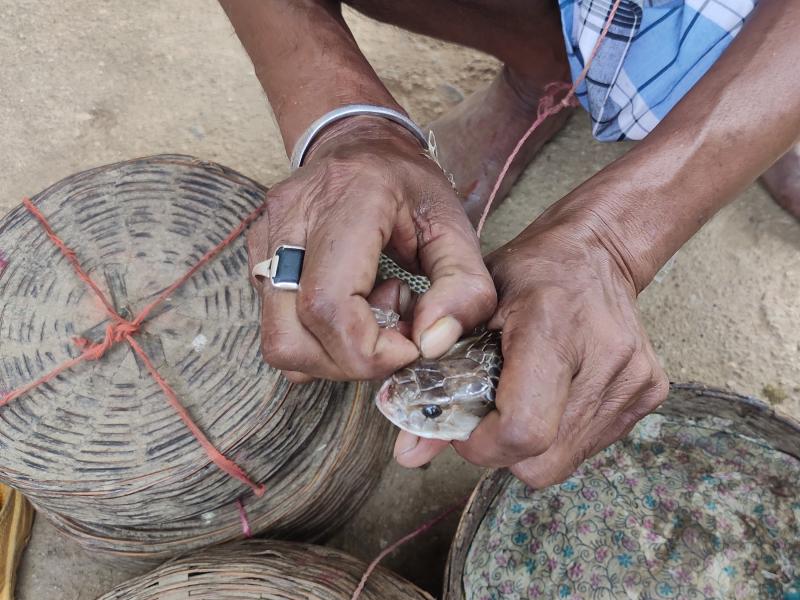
753 417
266 569
98 450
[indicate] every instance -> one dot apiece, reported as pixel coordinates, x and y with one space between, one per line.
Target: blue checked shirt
654 52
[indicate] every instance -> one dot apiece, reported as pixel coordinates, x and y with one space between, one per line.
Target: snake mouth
399 417
387 407
382 399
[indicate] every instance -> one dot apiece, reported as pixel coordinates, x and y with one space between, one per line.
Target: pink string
399 543
547 109
243 517
122 330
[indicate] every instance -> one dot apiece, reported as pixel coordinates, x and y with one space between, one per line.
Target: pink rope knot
547 107
116 332
547 101
121 330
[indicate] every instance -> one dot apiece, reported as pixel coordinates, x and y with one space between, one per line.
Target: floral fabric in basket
681 509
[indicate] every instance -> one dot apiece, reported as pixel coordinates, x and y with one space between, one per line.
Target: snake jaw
413 421
382 399
445 399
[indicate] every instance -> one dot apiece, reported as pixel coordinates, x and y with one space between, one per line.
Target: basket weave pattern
98 450
266 569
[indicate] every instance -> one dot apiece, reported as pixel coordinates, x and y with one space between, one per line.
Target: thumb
413 451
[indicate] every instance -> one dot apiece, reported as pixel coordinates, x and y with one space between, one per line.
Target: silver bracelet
302 145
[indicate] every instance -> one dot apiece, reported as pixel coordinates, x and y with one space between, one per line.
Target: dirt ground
88 83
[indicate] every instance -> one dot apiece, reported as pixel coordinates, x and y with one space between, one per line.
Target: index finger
462 294
338 273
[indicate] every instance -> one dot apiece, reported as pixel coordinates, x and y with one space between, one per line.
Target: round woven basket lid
98 449
266 569
694 503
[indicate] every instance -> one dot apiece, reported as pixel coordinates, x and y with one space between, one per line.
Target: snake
444 398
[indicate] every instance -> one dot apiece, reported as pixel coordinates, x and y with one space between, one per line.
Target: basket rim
684 399
251 553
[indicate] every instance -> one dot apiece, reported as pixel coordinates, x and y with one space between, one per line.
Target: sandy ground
89 83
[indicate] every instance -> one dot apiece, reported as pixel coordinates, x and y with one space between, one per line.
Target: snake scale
444 398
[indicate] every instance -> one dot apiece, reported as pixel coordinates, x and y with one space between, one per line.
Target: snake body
444 398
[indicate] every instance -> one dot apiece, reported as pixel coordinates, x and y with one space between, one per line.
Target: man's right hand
366 187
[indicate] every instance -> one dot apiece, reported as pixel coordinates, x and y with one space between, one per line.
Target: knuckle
647 404
622 357
281 195
319 311
613 408
624 344
624 423
527 437
478 295
640 373
434 220
536 478
278 349
660 387
635 413
484 290
363 361
647 377
657 393
583 453
315 305
628 348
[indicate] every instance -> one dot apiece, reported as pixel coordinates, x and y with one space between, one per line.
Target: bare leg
782 180
476 138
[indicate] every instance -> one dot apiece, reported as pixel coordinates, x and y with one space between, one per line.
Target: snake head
444 399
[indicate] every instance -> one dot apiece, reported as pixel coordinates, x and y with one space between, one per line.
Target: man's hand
366 186
579 371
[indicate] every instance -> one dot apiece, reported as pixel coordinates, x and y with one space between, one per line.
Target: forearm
738 119
306 60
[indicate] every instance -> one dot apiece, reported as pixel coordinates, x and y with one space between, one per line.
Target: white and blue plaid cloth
654 52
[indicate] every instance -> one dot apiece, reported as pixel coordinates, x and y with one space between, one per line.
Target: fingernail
406 441
439 337
405 299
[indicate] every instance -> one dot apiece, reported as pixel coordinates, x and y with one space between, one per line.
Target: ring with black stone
283 269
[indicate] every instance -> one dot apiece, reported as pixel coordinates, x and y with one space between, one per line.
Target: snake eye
431 411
